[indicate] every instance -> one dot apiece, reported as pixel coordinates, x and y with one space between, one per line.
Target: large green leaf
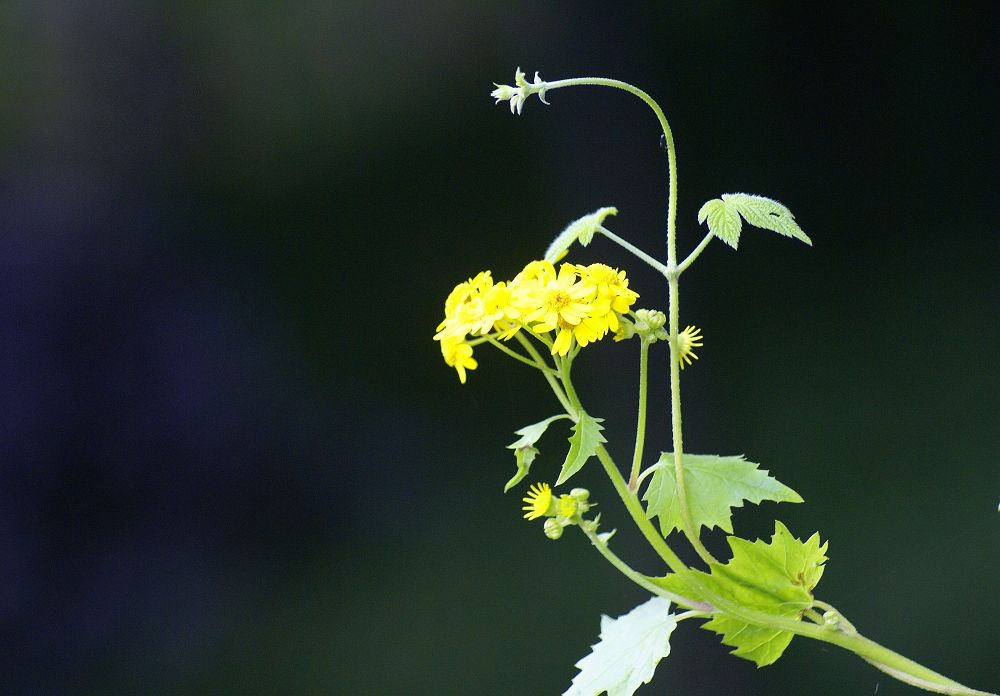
524 448
767 214
582 445
723 221
776 578
628 652
714 486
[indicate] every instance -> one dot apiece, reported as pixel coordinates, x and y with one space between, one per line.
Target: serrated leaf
626 656
766 213
581 230
582 445
714 486
775 577
524 448
723 221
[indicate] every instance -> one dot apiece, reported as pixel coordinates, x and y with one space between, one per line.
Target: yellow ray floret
687 341
539 500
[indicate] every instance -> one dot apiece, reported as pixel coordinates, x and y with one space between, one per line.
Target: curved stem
651 103
640 428
638 578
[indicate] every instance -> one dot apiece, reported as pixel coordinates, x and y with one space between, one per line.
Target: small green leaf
776 578
723 221
766 213
714 486
581 230
582 445
626 656
524 456
524 448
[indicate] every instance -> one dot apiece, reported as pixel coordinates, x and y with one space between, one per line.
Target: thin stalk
640 428
636 251
694 254
556 389
517 356
565 364
638 578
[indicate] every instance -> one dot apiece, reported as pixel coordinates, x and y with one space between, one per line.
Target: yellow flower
539 500
458 354
567 506
687 340
562 297
612 297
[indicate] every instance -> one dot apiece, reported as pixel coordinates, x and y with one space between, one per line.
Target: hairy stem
634 250
694 254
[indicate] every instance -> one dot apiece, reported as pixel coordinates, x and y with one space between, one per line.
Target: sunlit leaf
766 213
627 654
723 221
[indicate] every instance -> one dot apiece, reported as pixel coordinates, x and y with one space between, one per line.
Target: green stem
565 364
636 251
694 254
556 389
640 428
638 515
517 356
638 578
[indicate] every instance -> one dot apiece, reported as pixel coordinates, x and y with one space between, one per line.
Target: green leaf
776 578
767 214
524 456
581 230
723 221
628 652
524 448
582 445
714 486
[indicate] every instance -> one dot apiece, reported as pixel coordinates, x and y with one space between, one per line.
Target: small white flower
517 95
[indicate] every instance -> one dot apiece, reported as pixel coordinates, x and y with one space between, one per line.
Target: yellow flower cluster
580 304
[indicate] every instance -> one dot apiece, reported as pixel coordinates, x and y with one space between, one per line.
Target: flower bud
553 528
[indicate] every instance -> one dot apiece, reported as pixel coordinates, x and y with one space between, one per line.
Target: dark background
232 459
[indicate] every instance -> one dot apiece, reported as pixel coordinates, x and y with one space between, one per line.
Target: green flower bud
553 528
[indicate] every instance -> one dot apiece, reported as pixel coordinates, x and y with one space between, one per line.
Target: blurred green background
234 461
